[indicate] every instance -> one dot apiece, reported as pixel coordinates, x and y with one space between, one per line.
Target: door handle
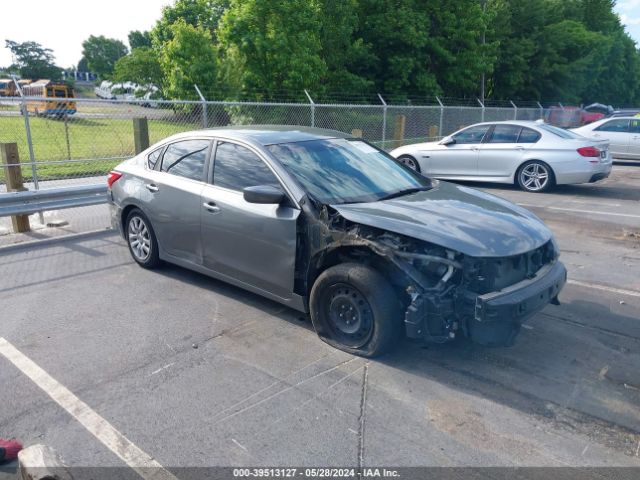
211 206
152 187
519 147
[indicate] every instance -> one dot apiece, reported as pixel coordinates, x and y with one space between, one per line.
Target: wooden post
356 132
13 177
398 133
140 134
433 131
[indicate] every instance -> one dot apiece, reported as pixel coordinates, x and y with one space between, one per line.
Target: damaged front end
445 293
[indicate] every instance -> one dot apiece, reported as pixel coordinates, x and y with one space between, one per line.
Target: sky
65 31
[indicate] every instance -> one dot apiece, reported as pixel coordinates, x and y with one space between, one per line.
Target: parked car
622 133
329 224
630 112
533 155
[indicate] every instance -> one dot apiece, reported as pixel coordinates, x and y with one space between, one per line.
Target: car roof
266 134
520 123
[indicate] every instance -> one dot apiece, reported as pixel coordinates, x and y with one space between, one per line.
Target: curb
14 247
40 462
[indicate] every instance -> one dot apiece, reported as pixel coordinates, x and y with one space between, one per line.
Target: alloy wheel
534 177
139 238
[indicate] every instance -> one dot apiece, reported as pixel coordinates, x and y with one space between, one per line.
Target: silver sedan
533 155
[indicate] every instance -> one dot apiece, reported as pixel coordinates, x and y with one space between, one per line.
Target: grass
96 144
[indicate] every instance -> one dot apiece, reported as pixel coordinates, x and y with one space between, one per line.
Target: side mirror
448 141
264 194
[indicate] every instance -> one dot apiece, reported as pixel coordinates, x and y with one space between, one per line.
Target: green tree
33 61
197 13
138 39
102 54
188 59
272 45
141 66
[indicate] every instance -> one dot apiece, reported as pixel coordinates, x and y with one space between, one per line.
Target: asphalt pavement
193 372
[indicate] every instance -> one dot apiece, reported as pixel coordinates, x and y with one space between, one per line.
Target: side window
153 157
528 136
186 158
614 126
237 167
505 134
635 126
471 135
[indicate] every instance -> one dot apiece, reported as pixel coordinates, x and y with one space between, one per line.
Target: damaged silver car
331 225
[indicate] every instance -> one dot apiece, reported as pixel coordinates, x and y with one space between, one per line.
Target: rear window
559 132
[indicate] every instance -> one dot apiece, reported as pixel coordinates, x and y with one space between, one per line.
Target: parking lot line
604 288
577 210
106 433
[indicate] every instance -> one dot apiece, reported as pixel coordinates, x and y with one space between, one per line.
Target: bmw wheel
535 176
141 240
409 161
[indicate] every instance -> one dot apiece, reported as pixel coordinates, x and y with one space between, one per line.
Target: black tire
535 176
137 224
372 322
409 161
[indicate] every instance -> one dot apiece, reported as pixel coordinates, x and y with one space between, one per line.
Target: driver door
252 243
458 159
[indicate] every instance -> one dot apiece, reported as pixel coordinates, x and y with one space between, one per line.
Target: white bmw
533 155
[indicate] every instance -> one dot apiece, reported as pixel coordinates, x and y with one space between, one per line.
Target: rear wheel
354 308
410 162
141 240
535 176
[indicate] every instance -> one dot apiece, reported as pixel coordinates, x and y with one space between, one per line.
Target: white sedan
623 133
533 155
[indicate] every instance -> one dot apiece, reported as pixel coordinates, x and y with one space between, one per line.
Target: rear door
459 159
173 192
616 131
504 149
252 243
634 141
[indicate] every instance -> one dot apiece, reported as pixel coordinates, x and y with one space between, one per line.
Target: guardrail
35 201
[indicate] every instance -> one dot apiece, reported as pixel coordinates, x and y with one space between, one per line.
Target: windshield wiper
406 191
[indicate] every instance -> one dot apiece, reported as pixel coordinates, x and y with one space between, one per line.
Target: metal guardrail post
13 176
515 109
313 108
205 115
384 120
140 134
441 115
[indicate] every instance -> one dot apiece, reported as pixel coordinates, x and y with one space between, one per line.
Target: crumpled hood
463 219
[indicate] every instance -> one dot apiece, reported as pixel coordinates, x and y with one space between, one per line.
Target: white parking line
106 433
576 210
604 288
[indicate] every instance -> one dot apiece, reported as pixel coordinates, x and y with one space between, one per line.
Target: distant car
625 113
623 135
328 224
533 155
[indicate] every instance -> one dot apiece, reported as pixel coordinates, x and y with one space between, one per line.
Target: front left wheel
409 161
141 239
354 308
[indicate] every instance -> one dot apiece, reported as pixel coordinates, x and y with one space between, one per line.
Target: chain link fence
63 142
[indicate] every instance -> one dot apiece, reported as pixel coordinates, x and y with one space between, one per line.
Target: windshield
346 171
559 132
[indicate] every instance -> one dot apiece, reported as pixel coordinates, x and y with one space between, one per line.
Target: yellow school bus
47 98
7 87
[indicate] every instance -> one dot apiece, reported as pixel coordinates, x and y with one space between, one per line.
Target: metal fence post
27 128
541 110
515 110
205 116
140 134
482 105
384 120
313 108
13 177
441 116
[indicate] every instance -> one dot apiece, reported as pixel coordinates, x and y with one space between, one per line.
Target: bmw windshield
340 171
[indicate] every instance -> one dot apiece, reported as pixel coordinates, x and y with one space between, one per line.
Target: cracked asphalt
199 373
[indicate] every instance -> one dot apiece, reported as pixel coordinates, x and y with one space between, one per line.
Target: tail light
113 177
589 152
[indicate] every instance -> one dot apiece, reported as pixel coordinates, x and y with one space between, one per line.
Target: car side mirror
448 141
264 194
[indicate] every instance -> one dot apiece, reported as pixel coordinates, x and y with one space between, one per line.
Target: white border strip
604 288
106 433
